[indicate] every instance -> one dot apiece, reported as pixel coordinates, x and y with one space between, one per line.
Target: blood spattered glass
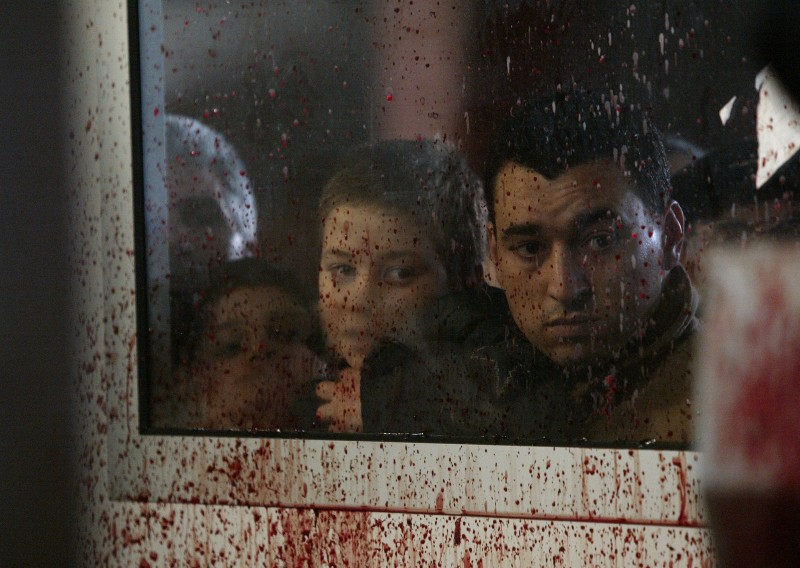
248 110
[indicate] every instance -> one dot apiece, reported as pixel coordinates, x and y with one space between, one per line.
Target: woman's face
251 363
377 270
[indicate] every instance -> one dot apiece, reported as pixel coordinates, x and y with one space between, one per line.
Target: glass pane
482 222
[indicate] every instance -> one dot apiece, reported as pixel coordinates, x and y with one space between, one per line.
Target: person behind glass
586 243
212 209
249 362
403 223
587 337
210 218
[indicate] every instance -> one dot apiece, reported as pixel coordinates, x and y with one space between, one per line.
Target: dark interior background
292 85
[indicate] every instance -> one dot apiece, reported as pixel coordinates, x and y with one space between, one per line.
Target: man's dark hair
565 130
427 180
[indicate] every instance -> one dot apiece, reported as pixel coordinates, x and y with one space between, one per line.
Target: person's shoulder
673 371
476 316
663 405
476 326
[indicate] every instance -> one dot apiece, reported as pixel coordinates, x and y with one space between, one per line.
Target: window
257 121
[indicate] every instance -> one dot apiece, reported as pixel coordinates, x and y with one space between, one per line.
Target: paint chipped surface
155 501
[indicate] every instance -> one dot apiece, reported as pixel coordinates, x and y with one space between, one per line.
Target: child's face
251 362
377 270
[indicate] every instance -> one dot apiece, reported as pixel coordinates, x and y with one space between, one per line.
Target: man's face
579 258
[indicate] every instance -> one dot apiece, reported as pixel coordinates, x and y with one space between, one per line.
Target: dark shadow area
36 469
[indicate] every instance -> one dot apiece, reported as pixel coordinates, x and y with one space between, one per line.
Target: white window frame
637 486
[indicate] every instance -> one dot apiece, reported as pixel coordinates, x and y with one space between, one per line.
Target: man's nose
568 281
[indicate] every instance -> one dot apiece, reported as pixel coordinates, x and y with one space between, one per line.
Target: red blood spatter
682 489
235 468
766 426
610 383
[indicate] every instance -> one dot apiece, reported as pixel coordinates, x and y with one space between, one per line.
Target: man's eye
528 249
600 242
399 275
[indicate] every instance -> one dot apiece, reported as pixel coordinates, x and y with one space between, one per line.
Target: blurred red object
749 393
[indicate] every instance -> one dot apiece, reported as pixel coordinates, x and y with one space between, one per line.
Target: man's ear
674 224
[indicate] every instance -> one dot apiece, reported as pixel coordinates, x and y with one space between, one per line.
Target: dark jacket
645 395
473 374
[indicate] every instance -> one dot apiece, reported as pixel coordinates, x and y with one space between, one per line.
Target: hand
341 402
